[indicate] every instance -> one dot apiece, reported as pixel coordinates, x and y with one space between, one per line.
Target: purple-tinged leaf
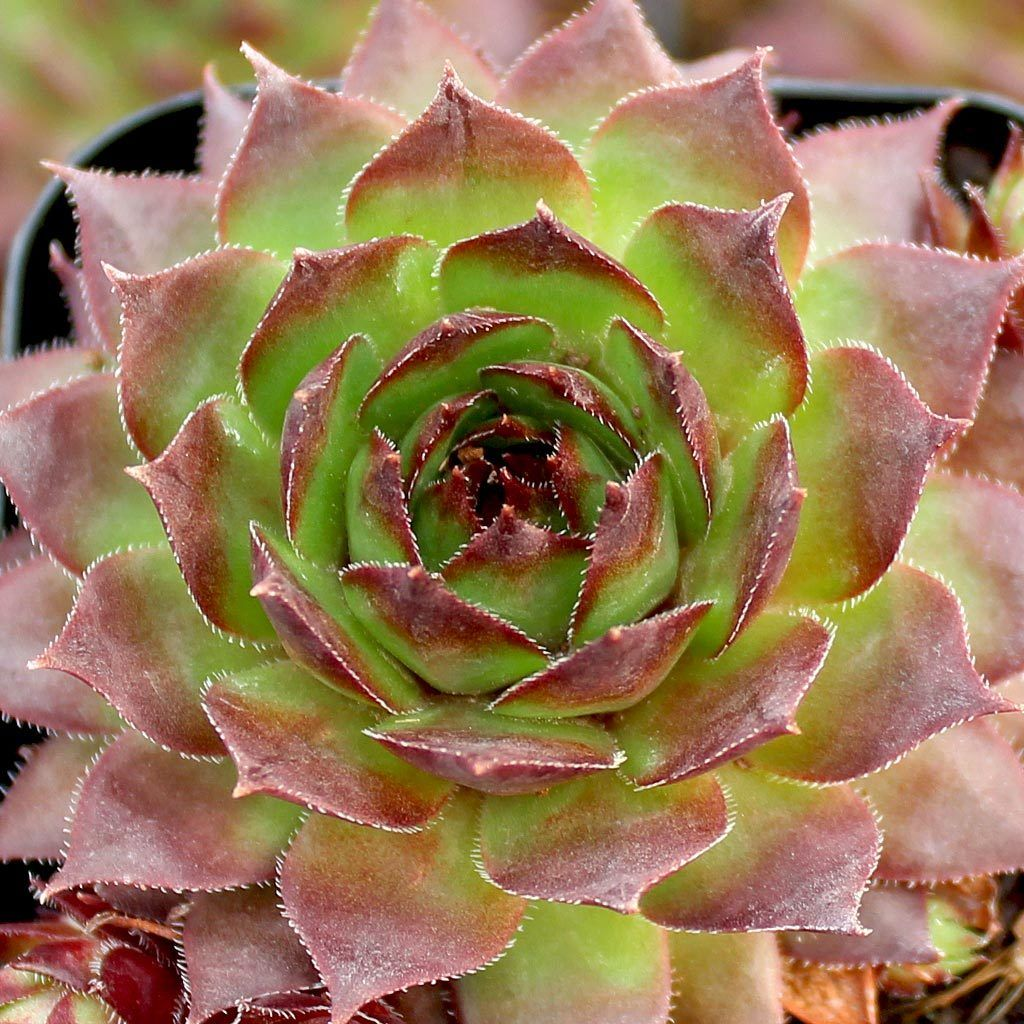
953 807
380 911
138 987
28 375
34 810
300 148
730 314
134 621
597 840
746 550
898 922
611 673
377 512
796 857
317 444
225 116
864 442
527 575
708 712
308 610
493 753
844 165
79 1008
34 1008
403 53
381 288
139 224
17 985
635 555
572 77
35 599
672 415
444 518
217 475
545 269
446 359
454 645
67 961
183 330
725 979
572 964
898 672
684 143
152 818
936 315
463 167
992 446
970 532
72 285
238 946
580 473
294 738
64 452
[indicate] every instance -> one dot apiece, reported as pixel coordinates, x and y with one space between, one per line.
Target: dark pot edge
893 98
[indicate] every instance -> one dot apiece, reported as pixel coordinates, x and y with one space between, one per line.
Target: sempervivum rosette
516 581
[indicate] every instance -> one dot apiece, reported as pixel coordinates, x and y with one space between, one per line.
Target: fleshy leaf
953 807
971 533
308 609
718 278
152 818
84 331
635 554
543 268
572 964
317 446
898 923
465 166
217 475
444 518
301 146
566 395
796 858
139 987
33 1009
844 165
403 52
34 811
934 314
40 370
78 1008
454 645
225 116
64 451
580 472
708 712
139 224
379 911
496 753
35 599
899 671
740 561
292 737
527 575
673 416
65 961
134 620
613 672
238 946
864 442
183 330
572 77
991 448
381 288
681 143
725 979
597 840
377 514
446 359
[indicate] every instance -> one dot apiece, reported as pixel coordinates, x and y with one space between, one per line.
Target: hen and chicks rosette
493 538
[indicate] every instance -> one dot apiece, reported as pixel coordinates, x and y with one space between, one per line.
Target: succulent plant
506 552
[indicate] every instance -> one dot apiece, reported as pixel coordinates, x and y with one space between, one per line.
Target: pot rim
883 97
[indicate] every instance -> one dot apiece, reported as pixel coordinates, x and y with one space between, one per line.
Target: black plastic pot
164 137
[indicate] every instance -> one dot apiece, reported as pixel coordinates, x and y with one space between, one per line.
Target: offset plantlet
533 585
